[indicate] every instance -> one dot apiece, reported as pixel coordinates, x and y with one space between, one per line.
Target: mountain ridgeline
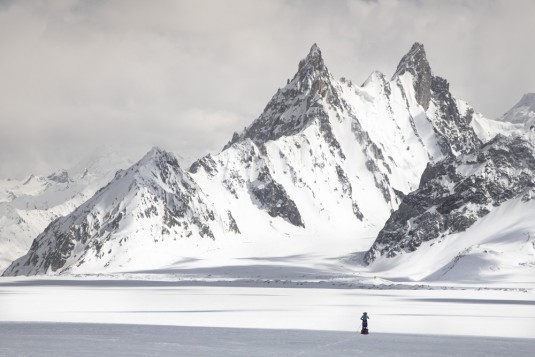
28 206
325 158
457 191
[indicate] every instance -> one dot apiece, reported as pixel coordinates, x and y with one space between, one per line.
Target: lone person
364 320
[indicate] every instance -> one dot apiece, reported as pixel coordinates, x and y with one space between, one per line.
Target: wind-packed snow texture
59 339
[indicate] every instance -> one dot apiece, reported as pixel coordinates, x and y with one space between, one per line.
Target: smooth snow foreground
59 339
81 313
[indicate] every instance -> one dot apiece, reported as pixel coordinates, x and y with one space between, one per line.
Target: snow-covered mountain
153 201
471 217
455 192
522 112
326 160
28 206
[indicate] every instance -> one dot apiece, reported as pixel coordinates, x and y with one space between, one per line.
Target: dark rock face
207 163
272 197
455 192
297 105
453 129
415 62
232 225
61 176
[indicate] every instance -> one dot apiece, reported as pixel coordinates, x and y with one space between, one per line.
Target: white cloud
185 75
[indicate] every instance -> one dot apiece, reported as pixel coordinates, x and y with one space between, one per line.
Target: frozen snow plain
156 314
60 339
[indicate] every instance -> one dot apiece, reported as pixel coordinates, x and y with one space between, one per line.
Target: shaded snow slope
499 247
455 192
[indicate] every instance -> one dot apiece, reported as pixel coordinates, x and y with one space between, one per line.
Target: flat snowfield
61 339
64 317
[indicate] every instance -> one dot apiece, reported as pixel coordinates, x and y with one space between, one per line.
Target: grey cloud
185 75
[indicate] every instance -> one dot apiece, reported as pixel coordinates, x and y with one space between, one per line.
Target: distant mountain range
326 159
28 206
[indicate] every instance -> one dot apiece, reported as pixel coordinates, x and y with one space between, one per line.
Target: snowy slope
153 201
28 206
522 112
470 220
344 154
321 169
498 248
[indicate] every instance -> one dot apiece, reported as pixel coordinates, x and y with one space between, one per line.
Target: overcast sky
184 75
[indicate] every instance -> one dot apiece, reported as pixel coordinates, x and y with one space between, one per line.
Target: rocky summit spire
312 66
313 60
522 112
312 76
415 62
297 104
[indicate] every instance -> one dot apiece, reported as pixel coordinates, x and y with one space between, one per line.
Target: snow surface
261 305
203 318
59 339
498 249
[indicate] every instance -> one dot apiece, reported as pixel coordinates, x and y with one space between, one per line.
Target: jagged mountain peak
61 176
152 201
313 61
155 151
297 105
522 112
324 156
415 62
376 78
528 98
157 154
310 73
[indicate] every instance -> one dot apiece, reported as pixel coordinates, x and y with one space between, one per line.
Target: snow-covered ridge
148 200
522 112
29 205
457 192
325 165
